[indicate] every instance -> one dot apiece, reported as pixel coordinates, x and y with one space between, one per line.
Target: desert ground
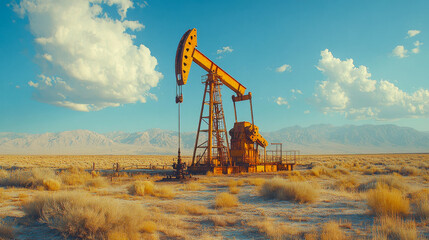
325 197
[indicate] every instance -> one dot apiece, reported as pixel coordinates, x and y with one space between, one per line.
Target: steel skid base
269 167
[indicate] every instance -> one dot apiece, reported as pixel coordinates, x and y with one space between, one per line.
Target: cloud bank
88 59
351 91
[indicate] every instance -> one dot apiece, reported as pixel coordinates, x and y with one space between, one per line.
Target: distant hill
316 139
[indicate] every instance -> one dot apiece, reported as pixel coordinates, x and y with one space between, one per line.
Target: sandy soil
290 220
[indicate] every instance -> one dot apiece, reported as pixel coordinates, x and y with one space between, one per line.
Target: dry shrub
341 170
97 182
311 236
32 178
3 195
346 184
148 226
421 203
275 230
6 231
137 188
81 215
320 170
331 231
149 187
234 186
223 221
225 200
141 188
235 183
301 192
193 186
191 209
4 173
295 176
51 184
387 201
410 171
75 176
256 181
422 209
234 190
165 192
389 181
394 228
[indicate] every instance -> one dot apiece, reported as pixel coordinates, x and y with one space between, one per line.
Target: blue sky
68 65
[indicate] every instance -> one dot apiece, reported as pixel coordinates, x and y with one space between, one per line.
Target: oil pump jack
215 153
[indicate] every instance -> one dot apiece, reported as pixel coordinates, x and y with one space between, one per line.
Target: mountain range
315 139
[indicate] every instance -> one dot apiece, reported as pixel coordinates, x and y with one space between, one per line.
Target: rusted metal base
269 167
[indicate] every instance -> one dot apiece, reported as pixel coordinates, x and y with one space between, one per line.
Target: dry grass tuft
301 192
4 173
149 227
421 203
75 176
394 228
191 209
274 230
6 231
346 184
97 182
137 188
225 200
331 231
320 170
235 183
234 190
410 171
387 201
223 221
234 186
193 186
389 181
85 216
141 188
28 178
165 192
51 184
256 181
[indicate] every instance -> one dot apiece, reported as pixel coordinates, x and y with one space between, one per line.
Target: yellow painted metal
225 78
187 53
184 53
244 135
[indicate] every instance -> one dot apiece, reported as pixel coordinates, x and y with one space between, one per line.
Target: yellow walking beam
187 53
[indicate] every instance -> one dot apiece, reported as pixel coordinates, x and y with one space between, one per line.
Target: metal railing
283 157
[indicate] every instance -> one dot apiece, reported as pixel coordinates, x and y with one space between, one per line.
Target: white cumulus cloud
284 67
88 59
400 51
417 45
351 91
412 33
281 101
226 49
